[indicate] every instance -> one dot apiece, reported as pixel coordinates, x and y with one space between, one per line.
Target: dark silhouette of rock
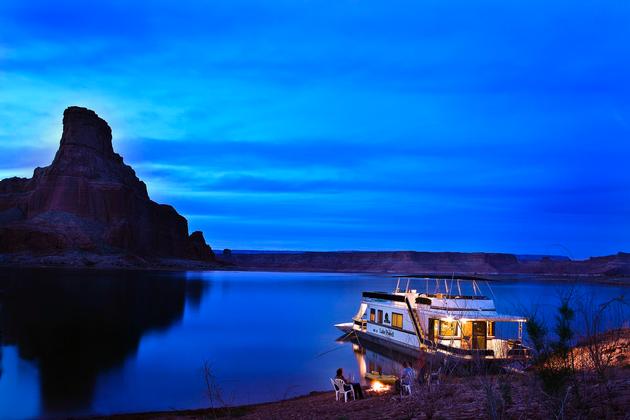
199 249
89 200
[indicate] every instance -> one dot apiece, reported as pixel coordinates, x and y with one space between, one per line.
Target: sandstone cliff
430 262
89 200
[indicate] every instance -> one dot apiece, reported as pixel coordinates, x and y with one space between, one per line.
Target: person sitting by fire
407 376
358 391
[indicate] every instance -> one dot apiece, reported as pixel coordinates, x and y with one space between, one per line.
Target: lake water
82 342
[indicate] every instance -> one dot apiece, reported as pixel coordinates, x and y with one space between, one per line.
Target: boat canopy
474 315
483 315
440 277
361 311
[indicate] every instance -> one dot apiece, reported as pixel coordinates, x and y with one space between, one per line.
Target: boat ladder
416 324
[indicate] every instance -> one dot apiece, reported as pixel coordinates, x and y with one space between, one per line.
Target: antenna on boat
407 288
446 286
459 289
397 284
488 284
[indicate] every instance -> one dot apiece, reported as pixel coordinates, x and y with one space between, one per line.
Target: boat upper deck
435 300
455 307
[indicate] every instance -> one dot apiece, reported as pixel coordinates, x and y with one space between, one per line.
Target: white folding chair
407 379
342 388
336 388
405 388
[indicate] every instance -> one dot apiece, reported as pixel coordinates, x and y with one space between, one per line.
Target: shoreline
229 411
461 398
183 266
479 394
613 269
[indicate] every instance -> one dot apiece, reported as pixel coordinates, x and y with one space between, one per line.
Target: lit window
491 328
448 328
467 329
372 315
380 316
397 320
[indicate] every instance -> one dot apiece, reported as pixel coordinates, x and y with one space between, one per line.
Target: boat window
397 320
491 328
467 330
380 316
433 328
386 318
448 328
372 315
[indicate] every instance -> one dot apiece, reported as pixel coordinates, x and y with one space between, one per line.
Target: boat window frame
379 316
490 329
441 331
372 315
434 331
394 316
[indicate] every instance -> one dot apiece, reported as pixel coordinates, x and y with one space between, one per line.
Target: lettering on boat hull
383 331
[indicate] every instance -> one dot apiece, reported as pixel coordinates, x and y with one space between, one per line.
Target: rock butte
88 199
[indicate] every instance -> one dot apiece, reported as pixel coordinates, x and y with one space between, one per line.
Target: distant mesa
409 262
88 200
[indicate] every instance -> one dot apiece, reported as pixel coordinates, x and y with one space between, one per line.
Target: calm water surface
105 342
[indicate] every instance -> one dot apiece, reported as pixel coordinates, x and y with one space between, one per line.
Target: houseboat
443 320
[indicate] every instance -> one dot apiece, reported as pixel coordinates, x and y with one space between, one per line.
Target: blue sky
462 126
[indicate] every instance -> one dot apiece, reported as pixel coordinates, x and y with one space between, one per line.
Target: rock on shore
89 200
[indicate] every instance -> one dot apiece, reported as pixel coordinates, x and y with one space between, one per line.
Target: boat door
433 329
479 331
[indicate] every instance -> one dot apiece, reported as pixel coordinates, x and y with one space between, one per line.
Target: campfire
379 387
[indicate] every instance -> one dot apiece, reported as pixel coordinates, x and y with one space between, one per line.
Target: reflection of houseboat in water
375 362
442 321
374 366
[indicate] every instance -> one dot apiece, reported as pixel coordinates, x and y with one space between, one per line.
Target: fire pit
379 387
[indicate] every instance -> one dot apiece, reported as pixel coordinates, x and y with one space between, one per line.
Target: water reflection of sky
19 382
266 336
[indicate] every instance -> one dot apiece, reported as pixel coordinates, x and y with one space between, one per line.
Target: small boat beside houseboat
443 320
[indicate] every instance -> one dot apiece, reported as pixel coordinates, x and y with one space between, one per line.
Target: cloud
354 124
